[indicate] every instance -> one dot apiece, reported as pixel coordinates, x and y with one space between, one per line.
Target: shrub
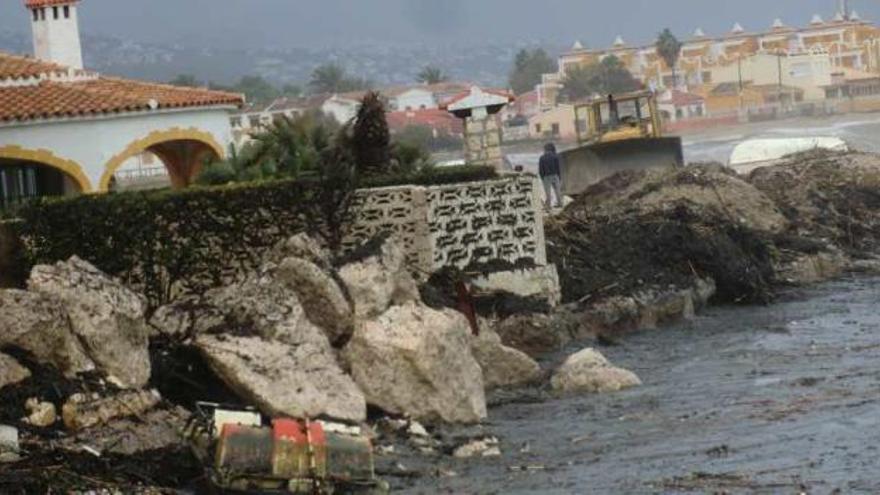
371 139
167 242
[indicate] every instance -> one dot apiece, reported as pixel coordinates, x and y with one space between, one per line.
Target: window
43 14
236 122
538 128
36 15
555 129
55 14
67 11
254 121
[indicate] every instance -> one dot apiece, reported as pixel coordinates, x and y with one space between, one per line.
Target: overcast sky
289 23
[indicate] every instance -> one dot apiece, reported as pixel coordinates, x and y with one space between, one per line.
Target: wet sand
776 399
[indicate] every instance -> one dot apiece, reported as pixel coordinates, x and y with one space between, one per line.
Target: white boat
755 153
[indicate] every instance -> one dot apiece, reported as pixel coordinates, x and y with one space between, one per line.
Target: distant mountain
382 64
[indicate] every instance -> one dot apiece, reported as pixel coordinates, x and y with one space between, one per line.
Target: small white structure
66 130
676 105
343 107
756 153
412 99
56 31
479 110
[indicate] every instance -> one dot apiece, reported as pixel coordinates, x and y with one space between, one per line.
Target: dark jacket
549 165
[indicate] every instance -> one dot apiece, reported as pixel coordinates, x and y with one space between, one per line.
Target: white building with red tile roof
67 130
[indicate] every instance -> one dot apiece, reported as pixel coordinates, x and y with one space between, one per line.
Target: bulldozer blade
587 165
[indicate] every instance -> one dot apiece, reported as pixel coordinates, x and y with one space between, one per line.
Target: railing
142 173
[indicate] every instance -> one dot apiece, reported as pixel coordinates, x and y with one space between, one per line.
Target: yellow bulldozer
616 133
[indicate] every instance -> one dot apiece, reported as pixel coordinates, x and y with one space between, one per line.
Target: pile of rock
299 338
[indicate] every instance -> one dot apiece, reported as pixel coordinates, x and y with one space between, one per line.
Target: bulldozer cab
616 118
616 133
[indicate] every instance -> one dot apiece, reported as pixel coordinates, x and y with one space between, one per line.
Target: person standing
551 175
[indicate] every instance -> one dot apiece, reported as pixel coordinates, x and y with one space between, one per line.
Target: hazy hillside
487 64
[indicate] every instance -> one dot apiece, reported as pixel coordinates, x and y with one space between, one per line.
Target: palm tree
669 48
431 75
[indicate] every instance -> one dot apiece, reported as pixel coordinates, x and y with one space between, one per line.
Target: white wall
92 143
57 40
341 109
414 99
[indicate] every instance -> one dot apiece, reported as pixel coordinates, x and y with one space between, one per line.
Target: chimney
56 31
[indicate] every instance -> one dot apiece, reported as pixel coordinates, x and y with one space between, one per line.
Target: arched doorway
182 153
22 180
27 174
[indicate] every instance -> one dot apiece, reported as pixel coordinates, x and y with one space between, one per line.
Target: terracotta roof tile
46 3
88 94
15 67
101 96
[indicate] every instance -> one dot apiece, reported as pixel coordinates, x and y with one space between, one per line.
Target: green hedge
160 242
166 242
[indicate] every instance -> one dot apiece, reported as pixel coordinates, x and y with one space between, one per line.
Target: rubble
39 324
639 231
40 414
296 376
81 412
106 317
378 279
534 334
588 371
11 372
416 361
323 300
827 195
485 447
502 366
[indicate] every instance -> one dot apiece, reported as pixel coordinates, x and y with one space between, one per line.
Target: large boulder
11 372
186 317
271 353
321 297
417 361
534 334
589 371
285 378
502 366
40 325
257 306
379 280
107 318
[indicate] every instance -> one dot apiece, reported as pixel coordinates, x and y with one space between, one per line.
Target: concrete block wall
456 225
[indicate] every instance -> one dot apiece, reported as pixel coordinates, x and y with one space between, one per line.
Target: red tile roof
46 3
88 96
15 67
440 120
